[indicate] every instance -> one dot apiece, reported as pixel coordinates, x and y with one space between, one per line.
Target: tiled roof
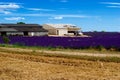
7 29
20 24
22 27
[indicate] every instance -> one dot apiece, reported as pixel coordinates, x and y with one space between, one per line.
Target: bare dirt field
30 67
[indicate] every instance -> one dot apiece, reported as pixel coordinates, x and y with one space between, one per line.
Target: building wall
15 33
62 32
37 33
55 31
51 30
62 29
29 33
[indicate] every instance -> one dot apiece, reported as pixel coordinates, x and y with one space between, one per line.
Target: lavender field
106 40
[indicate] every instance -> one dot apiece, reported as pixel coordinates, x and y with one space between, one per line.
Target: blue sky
90 15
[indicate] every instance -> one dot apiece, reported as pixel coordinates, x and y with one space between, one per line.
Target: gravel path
62 52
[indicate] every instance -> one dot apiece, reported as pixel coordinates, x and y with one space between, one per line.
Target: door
25 33
57 32
3 33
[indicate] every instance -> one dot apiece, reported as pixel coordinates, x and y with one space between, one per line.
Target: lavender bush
106 41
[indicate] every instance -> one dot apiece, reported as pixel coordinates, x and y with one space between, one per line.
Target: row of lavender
101 34
67 42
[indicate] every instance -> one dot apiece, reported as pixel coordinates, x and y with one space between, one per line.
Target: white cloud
60 15
39 9
9 3
5 12
111 3
76 16
6 8
63 1
15 18
57 17
113 6
34 9
54 16
9 6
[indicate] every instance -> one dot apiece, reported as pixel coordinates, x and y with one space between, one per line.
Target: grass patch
33 52
97 49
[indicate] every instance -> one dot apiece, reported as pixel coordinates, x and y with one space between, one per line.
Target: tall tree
20 23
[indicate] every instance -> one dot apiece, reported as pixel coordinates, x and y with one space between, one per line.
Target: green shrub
6 39
19 44
100 48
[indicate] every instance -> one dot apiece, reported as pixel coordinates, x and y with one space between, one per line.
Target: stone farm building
22 29
62 29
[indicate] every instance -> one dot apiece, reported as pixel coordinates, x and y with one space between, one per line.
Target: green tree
6 40
20 23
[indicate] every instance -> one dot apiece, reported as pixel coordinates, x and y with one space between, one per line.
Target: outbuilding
22 29
61 29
